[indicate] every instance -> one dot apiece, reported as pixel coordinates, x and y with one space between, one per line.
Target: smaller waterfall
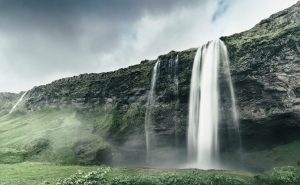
18 102
150 104
225 56
176 94
176 82
173 75
233 142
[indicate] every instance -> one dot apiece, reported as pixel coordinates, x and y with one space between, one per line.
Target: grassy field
36 173
30 173
281 155
47 173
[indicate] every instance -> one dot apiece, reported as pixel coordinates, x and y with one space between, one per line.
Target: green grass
49 134
47 173
282 155
43 173
36 173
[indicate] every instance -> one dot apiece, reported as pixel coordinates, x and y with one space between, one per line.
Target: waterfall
204 105
229 80
174 70
176 82
18 102
150 104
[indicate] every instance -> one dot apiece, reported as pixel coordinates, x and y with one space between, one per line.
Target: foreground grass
281 155
46 173
36 173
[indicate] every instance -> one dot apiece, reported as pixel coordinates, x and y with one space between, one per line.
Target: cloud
41 41
221 9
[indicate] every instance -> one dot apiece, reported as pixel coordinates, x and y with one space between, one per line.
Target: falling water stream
18 102
176 93
203 139
150 104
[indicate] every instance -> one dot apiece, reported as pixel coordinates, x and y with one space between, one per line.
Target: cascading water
176 82
18 102
173 77
224 56
150 104
203 139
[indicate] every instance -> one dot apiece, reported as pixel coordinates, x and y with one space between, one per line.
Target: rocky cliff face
265 68
123 94
265 63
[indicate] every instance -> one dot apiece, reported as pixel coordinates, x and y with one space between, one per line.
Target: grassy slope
48 134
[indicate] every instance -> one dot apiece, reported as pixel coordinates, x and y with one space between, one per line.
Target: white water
150 104
203 141
174 68
18 102
228 76
176 77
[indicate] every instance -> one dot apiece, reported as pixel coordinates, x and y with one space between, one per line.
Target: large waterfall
150 104
204 106
17 103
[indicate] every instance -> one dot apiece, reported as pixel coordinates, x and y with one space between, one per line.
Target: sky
44 40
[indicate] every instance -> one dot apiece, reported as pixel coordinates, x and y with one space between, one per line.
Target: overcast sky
44 40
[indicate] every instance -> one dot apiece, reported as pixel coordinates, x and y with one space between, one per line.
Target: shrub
92 178
282 176
134 180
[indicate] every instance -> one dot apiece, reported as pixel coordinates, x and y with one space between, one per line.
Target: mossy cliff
265 67
109 108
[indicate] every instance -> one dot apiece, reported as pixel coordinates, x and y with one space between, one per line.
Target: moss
92 152
37 146
124 122
63 155
264 42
